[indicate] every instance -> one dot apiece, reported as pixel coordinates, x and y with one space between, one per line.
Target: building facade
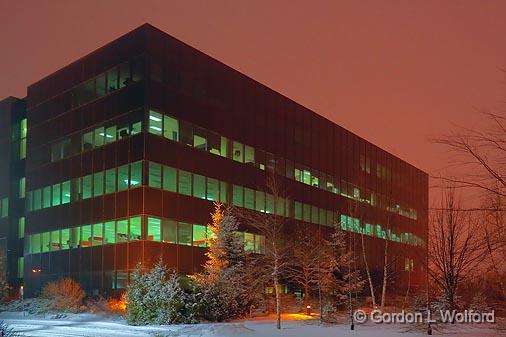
128 147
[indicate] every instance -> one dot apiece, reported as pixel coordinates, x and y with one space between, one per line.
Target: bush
156 297
6 331
64 294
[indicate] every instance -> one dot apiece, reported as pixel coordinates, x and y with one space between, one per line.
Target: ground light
308 310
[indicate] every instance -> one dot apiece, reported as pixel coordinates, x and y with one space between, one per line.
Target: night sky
395 72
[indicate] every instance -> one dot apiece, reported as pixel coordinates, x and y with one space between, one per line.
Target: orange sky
394 72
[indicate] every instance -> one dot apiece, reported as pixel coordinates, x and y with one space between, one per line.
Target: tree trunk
366 265
407 290
278 303
385 276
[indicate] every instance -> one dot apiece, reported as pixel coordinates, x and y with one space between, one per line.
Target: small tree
4 285
64 294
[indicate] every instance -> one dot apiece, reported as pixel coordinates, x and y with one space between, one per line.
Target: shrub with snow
64 294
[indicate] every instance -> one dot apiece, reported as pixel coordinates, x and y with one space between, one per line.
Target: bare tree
455 248
274 260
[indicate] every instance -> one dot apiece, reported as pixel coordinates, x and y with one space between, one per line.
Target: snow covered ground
93 325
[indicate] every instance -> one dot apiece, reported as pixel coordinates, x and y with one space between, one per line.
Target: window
110 180
56 195
171 128
21 187
87 186
249 154
35 243
155 175
153 232
100 85
307 212
269 203
260 201
65 238
98 234
185 234
249 198
199 236
306 177
98 184
185 183
122 178
223 192
112 79
21 227
4 207
314 214
86 237
224 147
74 237
200 139
46 240
109 230
110 134
155 123
214 143
99 137
249 242
21 266
37 199
213 189
237 196
199 186
124 75
169 179
186 136
135 228
46 197
238 152
135 174
169 231
297 210
88 141
65 192
122 230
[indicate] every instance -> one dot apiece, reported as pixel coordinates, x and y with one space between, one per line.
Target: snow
94 325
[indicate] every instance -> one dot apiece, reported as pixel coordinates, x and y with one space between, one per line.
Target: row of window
352 224
101 135
4 207
198 186
92 185
205 140
130 229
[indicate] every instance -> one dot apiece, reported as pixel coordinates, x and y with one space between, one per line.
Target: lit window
213 189
169 231
171 128
169 179
21 266
99 136
135 174
35 243
98 184
199 186
249 242
21 227
200 139
37 199
280 206
224 147
110 180
314 214
223 192
22 189
306 177
135 228
306 212
122 178
237 196
122 230
46 241
238 152
88 141
249 154
153 232
65 238
260 201
269 203
56 195
184 233
199 236
87 186
98 234
86 236
185 183
110 134
297 210
155 175
249 198
46 197
65 192
74 237
155 123
109 230
112 79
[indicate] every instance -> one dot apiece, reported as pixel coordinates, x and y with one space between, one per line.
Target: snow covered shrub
156 297
64 294
5 331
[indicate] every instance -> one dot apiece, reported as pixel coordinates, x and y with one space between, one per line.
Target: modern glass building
128 147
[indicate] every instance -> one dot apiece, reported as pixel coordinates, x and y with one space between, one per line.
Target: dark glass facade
128 148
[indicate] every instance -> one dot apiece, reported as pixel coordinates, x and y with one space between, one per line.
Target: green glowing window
298 174
185 183
269 203
368 229
199 186
110 180
249 154
238 152
224 147
21 227
306 177
21 266
260 201
45 238
199 236
29 201
153 232
87 141
22 148
86 236
213 189
122 178
322 219
98 234
56 195
213 145
223 191
171 128
314 214
315 181
184 234
343 222
307 212
21 187
122 230
280 206
98 184
135 228
237 195
35 243
37 199
249 198
23 128
155 175
136 128
288 208
65 238
169 231
249 242
155 123
297 210
110 134
169 179
109 230
46 197
259 244
135 174
87 186
65 192
99 136
75 189
200 139
74 239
